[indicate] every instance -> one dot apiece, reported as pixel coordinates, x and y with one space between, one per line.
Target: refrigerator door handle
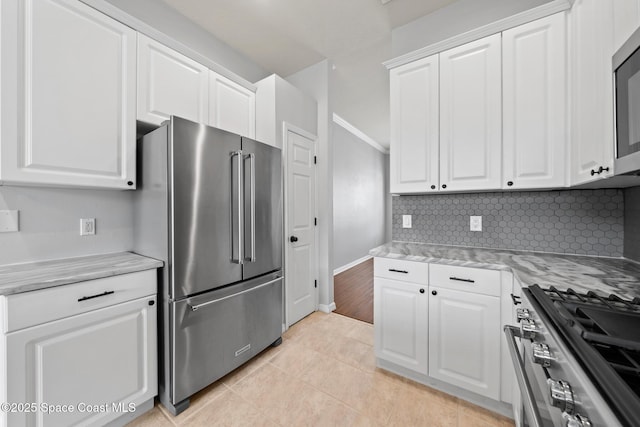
236 232
252 209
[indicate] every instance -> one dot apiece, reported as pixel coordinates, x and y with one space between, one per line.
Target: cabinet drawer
398 269
36 307
467 279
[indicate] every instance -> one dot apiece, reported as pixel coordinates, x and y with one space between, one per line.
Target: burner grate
603 333
612 302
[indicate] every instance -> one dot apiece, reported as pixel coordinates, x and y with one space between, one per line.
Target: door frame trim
286 128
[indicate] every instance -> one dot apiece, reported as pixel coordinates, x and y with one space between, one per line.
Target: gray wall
359 197
50 223
632 223
589 222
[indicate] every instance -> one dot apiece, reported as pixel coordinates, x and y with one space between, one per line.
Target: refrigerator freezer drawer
216 332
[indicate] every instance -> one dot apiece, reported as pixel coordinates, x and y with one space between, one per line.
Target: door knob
293 239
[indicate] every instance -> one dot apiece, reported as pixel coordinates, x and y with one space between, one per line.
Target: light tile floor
323 374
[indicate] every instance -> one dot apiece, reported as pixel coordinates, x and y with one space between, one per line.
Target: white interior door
300 254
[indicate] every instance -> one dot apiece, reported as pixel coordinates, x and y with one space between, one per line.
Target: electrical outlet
475 223
87 226
406 221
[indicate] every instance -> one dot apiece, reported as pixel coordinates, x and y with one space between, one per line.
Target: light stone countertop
581 273
18 278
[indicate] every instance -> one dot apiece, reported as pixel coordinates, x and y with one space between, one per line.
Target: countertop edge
581 273
67 271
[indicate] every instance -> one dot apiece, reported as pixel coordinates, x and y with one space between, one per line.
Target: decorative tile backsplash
587 222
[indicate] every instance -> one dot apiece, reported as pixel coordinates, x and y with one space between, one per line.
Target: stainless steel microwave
626 78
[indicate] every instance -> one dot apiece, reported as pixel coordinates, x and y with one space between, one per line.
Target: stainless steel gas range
577 360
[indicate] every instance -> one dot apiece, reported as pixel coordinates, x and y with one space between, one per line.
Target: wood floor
353 292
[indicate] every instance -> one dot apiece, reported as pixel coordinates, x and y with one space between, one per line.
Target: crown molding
546 9
358 133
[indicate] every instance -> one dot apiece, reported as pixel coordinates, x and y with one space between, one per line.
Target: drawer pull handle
462 280
398 271
105 293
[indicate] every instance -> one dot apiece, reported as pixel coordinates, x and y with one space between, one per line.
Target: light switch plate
475 223
9 221
406 221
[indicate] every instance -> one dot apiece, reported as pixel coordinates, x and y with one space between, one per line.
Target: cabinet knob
444 185
434 292
509 183
433 187
129 182
422 291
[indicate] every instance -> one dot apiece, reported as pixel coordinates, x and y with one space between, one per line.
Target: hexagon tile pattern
586 222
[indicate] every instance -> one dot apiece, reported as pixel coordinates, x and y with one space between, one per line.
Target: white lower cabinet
464 340
401 322
92 361
442 325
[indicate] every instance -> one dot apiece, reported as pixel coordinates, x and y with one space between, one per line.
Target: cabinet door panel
169 83
232 107
592 90
95 358
534 104
75 97
464 340
414 127
400 319
471 116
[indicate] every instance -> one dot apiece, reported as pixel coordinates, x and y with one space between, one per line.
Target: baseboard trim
503 408
327 308
351 264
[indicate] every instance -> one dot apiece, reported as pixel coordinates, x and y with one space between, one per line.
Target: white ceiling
285 36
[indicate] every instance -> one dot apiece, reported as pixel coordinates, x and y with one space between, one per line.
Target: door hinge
315 221
315 160
315 283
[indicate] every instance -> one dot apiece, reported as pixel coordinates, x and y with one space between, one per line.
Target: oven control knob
576 420
522 313
541 354
528 328
561 395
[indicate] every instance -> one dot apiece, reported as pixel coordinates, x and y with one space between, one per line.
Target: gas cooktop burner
613 320
604 336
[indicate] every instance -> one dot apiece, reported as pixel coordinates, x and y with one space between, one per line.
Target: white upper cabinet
169 83
471 116
414 155
232 107
592 91
534 105
68 96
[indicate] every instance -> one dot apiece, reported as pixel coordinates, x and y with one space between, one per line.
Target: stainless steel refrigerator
209 204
